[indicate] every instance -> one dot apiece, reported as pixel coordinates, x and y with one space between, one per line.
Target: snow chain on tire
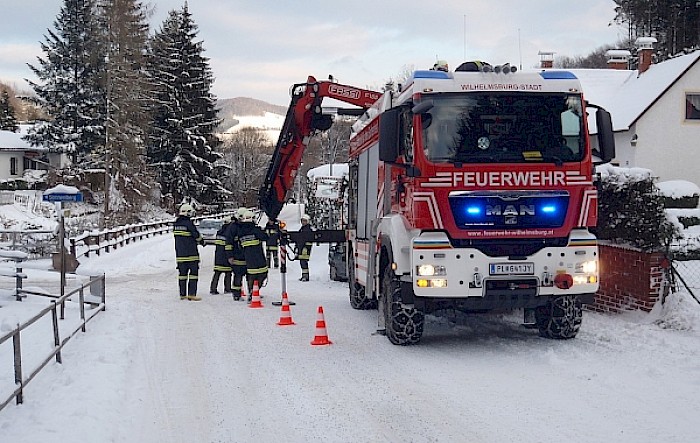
404 325
560 318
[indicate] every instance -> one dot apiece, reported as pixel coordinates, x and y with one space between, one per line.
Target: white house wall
624 155
667 143
5 165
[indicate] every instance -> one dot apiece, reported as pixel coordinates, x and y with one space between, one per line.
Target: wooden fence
105 241
108 240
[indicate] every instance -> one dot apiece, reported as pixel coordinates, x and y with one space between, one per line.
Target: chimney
618 58
645 49
546 59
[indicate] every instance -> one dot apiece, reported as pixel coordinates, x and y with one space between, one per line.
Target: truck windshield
504 127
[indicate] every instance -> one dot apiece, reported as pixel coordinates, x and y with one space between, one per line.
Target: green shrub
688 221
631 210
14 185
682 202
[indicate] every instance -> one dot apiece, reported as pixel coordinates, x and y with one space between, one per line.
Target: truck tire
358 297
404 325
560 318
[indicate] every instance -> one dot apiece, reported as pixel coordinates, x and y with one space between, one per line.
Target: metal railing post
18 364
18 283
81 302
56 337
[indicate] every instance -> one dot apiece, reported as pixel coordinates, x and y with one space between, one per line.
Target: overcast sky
260 48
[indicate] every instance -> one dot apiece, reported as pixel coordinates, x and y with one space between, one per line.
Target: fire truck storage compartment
367 192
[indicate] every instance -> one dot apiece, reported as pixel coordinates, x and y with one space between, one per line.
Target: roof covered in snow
13 140
626 94
328 170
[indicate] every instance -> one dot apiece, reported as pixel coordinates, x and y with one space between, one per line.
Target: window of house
692 106
13 165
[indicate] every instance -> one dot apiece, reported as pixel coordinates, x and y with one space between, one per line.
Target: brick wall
629 279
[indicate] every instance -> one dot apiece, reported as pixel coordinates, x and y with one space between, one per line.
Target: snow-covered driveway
156 369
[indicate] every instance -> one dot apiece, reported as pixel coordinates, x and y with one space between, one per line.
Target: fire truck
470 190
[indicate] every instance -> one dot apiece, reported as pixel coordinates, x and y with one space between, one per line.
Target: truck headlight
586 272
430 270
587 267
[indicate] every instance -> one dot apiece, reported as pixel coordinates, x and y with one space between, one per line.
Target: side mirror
606 136
423 107
389 149
389 141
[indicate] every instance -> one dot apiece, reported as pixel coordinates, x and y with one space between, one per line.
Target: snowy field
154 369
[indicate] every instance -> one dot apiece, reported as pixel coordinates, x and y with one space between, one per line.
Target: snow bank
680 312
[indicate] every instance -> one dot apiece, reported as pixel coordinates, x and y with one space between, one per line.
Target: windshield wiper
550 158
474 158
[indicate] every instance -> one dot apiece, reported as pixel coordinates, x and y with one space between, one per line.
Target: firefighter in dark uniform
237 259
304 251
187 237
272 245
223 251
251 238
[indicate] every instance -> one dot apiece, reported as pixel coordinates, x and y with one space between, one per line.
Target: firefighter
440 65
222 252
272 230
237 259
187 237
304 253
251 239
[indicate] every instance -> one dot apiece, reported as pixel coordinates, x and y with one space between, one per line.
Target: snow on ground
153 369
269 124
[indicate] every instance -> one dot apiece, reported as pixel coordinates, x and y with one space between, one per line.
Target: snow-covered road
156 369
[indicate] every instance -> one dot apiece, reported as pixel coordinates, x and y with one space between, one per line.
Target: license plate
511 268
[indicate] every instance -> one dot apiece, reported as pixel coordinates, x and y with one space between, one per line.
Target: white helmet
440 65
306 217
240 211
247 216
187 209
226 219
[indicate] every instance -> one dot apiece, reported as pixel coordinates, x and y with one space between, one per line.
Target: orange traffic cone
255 302
243 294
321 337
286 317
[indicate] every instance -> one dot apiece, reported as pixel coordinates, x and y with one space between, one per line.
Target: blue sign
62 197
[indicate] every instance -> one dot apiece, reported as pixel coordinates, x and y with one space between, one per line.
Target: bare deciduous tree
247 153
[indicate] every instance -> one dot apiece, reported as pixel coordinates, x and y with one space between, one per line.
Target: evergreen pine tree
125 37
182 144
8 120
69 87
675 23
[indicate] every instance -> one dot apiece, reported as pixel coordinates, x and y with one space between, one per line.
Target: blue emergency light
528 209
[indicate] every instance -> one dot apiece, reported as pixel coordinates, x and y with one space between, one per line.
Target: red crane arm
304 118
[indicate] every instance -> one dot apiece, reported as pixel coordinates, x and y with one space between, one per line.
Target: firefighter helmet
306 217
240 211
227 219
187 209
247 216
440 65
